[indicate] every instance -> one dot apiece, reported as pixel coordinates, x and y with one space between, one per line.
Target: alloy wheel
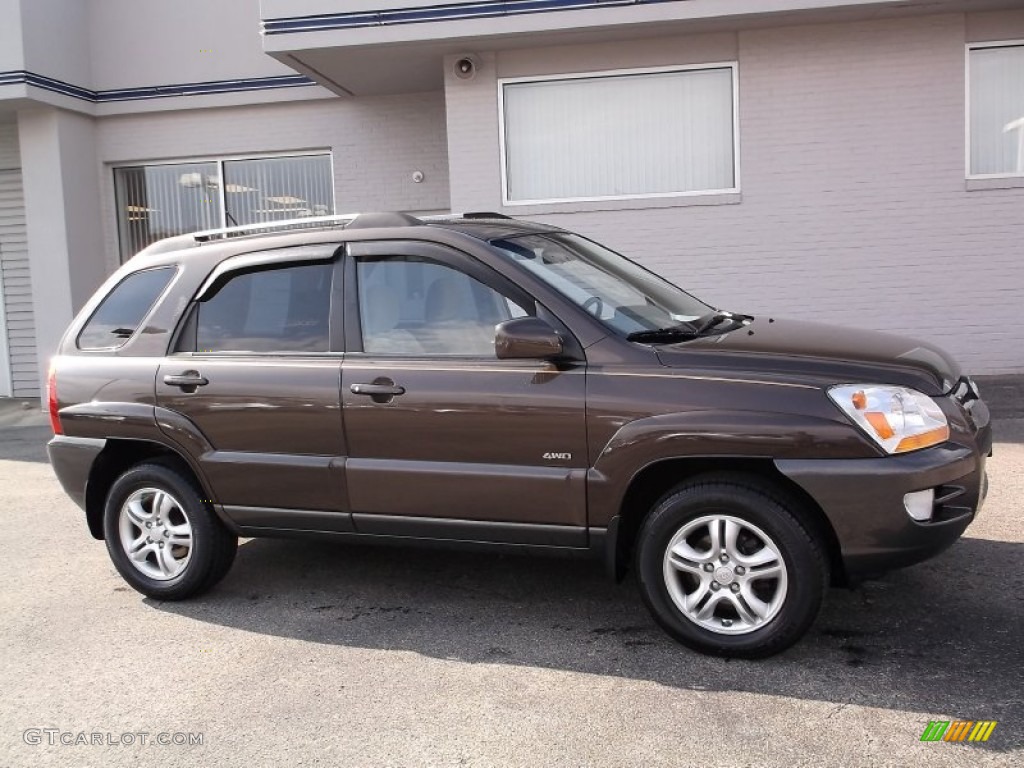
725 574
155 533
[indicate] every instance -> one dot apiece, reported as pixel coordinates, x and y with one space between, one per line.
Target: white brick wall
377 144
854 205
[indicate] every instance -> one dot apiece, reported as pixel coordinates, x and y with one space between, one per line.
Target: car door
444 439
255 372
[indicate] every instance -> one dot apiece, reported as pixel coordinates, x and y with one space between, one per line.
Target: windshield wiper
671 333
706 322
688 330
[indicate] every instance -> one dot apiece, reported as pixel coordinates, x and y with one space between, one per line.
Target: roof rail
225 233
446 217
348 220
382 220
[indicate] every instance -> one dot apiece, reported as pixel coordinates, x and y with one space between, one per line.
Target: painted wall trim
24 77
443 12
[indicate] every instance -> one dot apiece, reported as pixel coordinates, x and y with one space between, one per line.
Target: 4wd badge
552 456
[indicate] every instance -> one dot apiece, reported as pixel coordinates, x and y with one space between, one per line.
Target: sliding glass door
162 200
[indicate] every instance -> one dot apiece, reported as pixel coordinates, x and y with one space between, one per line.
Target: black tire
776 515
213 545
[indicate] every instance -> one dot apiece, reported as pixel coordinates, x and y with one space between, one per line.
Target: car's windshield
619 292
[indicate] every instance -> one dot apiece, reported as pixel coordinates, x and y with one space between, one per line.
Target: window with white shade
162 200
619 135
996 110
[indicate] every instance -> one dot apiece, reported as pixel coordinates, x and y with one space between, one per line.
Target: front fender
710 434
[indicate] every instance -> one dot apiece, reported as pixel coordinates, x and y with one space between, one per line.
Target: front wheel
162 537
727 568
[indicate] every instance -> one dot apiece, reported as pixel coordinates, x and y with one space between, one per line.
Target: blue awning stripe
24 77
442 12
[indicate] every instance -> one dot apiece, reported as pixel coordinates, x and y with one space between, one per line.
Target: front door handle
377 389
188 381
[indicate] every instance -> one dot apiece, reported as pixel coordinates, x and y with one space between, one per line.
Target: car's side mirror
526 338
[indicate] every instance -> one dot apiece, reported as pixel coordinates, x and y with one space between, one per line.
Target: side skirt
572 541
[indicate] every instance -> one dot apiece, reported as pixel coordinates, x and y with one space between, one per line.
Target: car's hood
824 353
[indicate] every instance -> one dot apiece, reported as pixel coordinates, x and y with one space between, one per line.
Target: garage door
18 342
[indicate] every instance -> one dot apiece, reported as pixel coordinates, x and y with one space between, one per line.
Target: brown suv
493 383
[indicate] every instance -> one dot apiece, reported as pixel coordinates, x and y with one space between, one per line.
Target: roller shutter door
18 323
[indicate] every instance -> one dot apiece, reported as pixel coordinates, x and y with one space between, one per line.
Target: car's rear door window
286 309
121 313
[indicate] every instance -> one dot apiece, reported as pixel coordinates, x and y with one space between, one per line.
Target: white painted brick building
867 183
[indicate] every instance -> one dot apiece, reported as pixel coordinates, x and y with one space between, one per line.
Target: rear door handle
377 390
188 380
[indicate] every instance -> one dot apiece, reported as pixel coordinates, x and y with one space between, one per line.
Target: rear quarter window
121 313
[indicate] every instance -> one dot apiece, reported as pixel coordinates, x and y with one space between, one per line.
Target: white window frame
967 107
733 66
219 160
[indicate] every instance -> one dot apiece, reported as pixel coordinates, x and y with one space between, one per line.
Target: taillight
51 398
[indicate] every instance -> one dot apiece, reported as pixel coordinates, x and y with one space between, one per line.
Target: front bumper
863 499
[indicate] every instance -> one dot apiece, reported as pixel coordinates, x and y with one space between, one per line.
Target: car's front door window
414 306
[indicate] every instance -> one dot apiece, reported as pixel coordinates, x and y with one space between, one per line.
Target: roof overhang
397 46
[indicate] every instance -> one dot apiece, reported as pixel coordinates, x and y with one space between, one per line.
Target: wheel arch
655 479
119 455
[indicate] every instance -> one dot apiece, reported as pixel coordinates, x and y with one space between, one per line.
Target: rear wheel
727 567
162 537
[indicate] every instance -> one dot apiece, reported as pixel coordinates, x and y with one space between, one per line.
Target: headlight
897 418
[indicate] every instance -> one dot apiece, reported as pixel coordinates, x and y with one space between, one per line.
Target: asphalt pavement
311 654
